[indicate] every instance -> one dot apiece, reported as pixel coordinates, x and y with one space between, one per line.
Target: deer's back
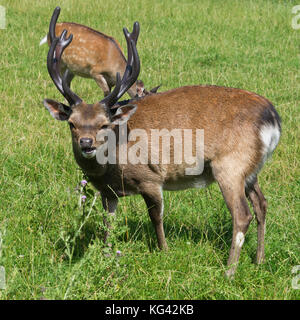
231 118
212 108
90 51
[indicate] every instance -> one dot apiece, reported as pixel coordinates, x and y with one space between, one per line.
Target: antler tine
52 25
56 50
135 32
53 59
132 69
127 71
131 36
69 94
58 45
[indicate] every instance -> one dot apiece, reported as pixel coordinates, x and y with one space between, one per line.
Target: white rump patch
270 137
239 239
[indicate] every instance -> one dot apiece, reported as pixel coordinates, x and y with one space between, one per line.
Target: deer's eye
71 124
104 127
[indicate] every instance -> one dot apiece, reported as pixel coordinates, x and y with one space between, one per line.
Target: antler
58 45
135 32
131 37
132 68
52 25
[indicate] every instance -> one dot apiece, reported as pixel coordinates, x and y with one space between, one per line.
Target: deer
95 55
241 131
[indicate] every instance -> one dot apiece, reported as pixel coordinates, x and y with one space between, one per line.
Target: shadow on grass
77 244
218 234
215 229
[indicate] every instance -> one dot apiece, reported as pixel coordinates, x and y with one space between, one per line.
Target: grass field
50 250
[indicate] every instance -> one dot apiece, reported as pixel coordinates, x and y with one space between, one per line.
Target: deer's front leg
102 83
153 197
259 204
110 205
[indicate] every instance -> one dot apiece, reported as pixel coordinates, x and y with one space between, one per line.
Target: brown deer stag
93 54
241 130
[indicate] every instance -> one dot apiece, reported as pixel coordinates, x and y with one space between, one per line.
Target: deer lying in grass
95 55
241 130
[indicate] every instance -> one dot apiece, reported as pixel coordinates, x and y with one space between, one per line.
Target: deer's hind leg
259 204
233 190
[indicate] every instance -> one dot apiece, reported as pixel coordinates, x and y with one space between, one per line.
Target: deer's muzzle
87 149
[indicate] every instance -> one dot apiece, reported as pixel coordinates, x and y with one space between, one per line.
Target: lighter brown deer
241 130
93 54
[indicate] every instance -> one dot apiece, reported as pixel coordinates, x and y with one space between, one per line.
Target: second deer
93 54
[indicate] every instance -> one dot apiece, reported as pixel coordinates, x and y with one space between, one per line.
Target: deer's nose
85 142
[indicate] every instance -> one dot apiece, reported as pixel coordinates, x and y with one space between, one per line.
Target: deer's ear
58 111
140 89
123 114
154 90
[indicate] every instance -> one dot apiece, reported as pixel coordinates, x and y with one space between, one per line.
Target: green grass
245 44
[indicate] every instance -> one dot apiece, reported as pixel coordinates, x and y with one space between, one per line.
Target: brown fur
233 150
